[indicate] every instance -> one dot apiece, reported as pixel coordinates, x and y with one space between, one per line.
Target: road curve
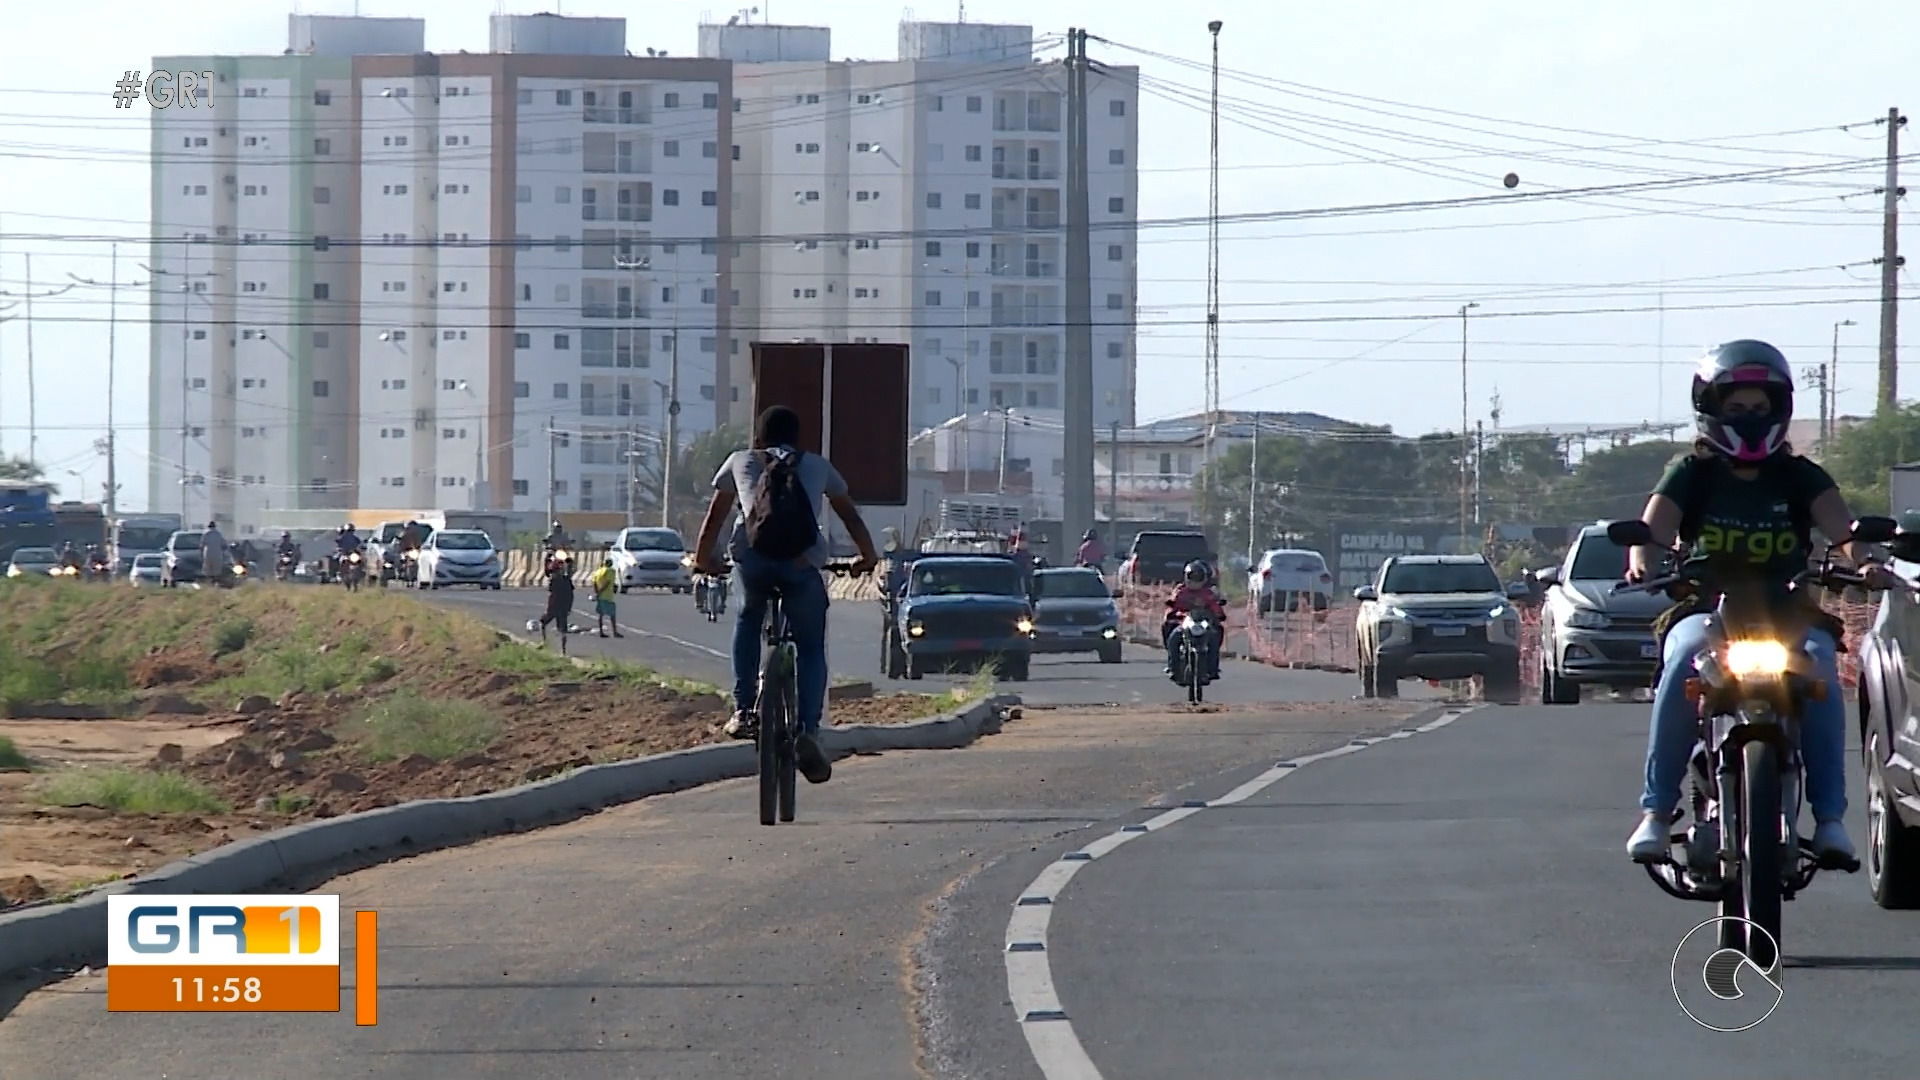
1455 904
678 937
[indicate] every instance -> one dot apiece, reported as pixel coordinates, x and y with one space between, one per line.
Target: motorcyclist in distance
1196 593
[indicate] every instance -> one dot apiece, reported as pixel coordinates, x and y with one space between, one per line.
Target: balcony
601 310
1037 268
611 114
1142 485
596 407
1003 171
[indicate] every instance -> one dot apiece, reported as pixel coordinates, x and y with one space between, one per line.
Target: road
664 632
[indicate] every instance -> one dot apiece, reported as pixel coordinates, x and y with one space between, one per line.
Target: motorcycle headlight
1756 657
1587 619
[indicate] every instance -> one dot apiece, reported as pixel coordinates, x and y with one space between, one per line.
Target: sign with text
852 401
213 953
1360 548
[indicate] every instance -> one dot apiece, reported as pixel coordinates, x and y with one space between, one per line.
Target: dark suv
963 609
1158 558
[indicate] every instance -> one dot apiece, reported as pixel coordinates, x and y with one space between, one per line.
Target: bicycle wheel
789 729
767 741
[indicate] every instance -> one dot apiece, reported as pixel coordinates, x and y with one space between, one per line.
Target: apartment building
921 200
489 290
250 404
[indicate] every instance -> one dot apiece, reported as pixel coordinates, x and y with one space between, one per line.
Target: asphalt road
1456 904
665 632
676 937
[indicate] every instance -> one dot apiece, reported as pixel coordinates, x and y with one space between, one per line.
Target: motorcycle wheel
1195 671
1761 868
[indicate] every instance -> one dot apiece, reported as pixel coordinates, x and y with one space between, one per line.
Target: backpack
780 517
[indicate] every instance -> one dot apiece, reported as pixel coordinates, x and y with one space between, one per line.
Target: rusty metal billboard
852 401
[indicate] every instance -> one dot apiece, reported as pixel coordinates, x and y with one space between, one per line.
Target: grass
11 759
406 723
82 887
132 791
980 686
289 802
231 636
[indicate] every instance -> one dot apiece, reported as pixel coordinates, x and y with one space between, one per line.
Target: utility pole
1820 384
33 422
1889 272
553 508
1113 474
1253 487
1213 282
667 470
1466 448
1479 455
1078 479
1006 425
113 285
1831 384
632 478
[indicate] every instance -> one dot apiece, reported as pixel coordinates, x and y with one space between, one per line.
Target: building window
933 298
670 148
322 195
322 147
320 388
973 104
523 193
563 97
709 101
524 97
709 149
323 97
523 340
563 195
669 197
933 249
562 342
560 393
1116 108
320 291
973 202
521 390
1116 157
520 487
1115 301
709 198
1116 252
670 101
1116 205
321 339
973 153
933 200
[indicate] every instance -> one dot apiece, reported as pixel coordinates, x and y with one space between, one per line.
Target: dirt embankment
218 715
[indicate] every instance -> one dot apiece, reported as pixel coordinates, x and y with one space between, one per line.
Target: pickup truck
963 609
1438 617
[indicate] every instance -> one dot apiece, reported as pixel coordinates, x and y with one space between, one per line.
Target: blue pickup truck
962 610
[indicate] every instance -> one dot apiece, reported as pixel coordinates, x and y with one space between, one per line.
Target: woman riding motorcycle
1744 492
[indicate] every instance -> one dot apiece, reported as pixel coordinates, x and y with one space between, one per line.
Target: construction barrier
1328 640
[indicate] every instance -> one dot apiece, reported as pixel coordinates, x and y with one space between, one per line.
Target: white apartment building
428 262
249 385
921 200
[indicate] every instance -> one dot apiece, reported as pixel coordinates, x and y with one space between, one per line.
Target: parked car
652 559
182 565
1438 617
963 609
32 560
1291 579
458 557
1159 558
1889 714
1073 611
1590 634
146 569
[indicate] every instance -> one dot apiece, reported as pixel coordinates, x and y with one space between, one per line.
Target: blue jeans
804 598
1670 742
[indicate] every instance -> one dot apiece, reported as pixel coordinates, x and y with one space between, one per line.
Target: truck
139 534
26 516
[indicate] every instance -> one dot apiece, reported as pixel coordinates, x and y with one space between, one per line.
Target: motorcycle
1750 685
352 570
284 566
1191 639
99 570
710 596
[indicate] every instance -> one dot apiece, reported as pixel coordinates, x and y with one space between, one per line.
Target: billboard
852 401
1360 547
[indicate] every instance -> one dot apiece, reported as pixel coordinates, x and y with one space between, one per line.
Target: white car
146 569
651 559
1291 579
458 557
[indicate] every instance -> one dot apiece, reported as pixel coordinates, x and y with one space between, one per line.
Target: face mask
1751 430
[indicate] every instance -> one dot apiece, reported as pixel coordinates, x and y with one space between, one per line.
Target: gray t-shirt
818 478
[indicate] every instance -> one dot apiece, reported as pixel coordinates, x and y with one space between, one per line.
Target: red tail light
1268 574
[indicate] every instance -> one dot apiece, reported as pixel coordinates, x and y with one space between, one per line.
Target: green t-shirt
1767 519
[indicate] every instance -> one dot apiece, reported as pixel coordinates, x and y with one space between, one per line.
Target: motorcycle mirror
1630 533
1873 529
1905 547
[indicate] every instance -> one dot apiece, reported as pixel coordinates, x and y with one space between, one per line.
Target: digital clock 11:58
223 988
234 990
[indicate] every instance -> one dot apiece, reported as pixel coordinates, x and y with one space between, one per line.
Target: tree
1861 456
693 471
1613 484
15 468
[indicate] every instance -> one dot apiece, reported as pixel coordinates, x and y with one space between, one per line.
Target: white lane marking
587 613
1036 1003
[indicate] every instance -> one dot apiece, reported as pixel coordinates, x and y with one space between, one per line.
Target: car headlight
915 629
1110 633
1393 611
13 571
1024 625
1587 619
1497 610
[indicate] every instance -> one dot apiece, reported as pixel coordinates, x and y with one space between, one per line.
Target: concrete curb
51 935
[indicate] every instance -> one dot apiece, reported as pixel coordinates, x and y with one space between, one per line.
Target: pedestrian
559 601
606 584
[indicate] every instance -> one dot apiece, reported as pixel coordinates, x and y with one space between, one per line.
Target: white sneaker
742 726
1830 838
1650 842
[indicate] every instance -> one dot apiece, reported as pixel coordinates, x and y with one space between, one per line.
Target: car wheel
914 670
1386 681
1016 668
1111 655
1555 690
1893 847
1502 687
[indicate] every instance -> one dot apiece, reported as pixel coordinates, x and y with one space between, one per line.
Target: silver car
1588 632
146 569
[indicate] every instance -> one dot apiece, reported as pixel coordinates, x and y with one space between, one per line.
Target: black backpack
780 518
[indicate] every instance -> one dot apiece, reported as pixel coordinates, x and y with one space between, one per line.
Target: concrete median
58 934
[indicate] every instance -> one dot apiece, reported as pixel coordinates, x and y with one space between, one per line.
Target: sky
1591 308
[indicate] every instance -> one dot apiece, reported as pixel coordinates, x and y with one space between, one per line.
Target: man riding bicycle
796 577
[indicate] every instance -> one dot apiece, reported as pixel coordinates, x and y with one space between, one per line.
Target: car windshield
1074 584
1598 559
389 533
1472 577
187 541
1295 562
654 540
961 579
144 537
463 541
35 555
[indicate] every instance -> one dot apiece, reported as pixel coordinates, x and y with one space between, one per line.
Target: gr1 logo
223 930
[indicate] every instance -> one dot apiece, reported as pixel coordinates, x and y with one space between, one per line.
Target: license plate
1449 631
1074 630
968 646
1650 650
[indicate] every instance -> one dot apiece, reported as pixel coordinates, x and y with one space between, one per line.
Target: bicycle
710 595
776 711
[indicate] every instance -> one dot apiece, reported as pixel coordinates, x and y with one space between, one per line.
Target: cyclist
777 544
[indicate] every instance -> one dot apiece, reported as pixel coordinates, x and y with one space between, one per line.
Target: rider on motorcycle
1091 553
69 557
1744 491
286 547
1196 594
412 537
345 542
95 557
557 538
